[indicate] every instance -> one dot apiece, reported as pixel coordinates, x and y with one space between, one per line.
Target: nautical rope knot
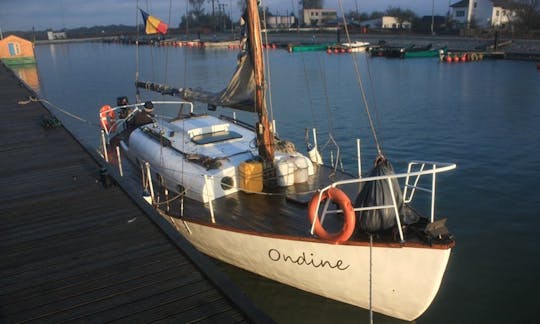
30 99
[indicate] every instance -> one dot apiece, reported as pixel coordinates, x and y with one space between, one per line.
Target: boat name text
310 260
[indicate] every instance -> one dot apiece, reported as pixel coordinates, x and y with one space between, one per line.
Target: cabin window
215 137
460 13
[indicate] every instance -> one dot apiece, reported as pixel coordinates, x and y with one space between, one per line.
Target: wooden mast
265 136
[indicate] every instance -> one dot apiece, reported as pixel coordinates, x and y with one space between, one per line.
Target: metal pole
432 17
371 279
149 177
358 156
104 145
120 169
433 181
210 198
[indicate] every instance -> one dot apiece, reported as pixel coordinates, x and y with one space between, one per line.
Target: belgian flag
153 25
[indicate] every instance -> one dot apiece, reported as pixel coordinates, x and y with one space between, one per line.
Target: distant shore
453 43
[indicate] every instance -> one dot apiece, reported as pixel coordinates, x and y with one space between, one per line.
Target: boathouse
16 50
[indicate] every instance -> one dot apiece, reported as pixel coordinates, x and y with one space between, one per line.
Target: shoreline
528 48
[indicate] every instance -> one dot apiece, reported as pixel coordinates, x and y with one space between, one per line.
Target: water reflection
28 73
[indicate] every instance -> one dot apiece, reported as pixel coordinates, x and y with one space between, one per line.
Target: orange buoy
448 59
107 118
329 51
344 203
456 58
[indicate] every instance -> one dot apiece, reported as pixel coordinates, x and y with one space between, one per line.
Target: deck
73 250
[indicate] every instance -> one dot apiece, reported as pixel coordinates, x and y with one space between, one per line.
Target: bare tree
528 12
197 8
402 15
311 4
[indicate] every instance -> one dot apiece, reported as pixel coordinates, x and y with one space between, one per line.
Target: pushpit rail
415 170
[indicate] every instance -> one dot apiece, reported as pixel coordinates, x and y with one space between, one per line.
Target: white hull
356 47
404 279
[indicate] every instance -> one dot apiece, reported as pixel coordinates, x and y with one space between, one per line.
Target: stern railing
415 170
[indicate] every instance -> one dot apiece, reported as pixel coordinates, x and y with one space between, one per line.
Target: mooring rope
72 115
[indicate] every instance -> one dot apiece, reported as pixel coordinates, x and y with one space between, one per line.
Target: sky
23 15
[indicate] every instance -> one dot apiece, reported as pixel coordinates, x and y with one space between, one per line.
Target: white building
386 22
280 21
319 17
481 13
53 36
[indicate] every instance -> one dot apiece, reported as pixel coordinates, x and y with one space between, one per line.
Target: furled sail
239 92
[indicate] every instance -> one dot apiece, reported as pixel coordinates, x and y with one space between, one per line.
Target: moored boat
352 47
241 194
423 51
307 47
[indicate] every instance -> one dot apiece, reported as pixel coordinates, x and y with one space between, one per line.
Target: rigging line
361 85
137 98
370 76
310 97
327 101
151 44
184 51
167 47
331 138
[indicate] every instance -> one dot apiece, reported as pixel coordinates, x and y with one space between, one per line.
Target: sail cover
378 193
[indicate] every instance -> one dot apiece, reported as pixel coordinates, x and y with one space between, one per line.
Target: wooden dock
73 250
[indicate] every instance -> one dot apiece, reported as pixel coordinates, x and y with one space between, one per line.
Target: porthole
227 183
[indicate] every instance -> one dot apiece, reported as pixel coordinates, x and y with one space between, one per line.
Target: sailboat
242 195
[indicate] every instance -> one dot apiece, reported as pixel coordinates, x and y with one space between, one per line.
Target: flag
153 25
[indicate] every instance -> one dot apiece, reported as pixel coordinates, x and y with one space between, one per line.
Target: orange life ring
108 118
345 205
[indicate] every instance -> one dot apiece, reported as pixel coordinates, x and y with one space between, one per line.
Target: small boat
221 44
353 47
356 46
383 50
411 51
244 196
424 51
307 47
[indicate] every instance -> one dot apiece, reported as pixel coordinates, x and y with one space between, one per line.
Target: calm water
484 116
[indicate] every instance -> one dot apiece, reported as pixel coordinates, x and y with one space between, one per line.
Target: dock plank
73 250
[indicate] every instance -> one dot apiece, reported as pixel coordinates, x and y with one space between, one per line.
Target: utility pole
470 13
432 16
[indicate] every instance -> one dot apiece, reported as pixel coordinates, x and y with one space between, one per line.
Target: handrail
436 167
